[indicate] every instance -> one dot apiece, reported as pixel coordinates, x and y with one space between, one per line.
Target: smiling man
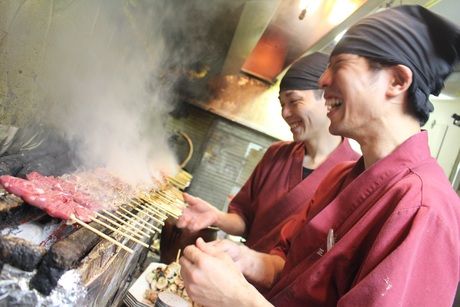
382 231
289 172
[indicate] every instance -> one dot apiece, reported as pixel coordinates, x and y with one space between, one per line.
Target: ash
15 291
33 232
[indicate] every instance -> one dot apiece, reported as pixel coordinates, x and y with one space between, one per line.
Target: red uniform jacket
397 236
275 191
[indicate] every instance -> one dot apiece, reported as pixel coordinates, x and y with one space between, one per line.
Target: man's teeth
332 103
295 125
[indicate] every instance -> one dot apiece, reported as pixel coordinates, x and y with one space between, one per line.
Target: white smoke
96 75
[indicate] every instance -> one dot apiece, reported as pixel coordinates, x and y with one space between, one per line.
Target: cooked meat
56 203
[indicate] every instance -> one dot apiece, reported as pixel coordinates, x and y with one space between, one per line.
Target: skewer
160 211
137 222
138 218
170 198
178 255
167 210
103 235
126 223
122 226
157 207
167 200
119 232
177 183
147 213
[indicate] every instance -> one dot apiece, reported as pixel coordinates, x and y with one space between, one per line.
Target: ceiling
261 38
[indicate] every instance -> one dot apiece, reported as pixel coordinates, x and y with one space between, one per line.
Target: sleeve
243 202
414 262
288 232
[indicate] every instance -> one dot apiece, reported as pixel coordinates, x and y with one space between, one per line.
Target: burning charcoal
20 253
47 276
63 255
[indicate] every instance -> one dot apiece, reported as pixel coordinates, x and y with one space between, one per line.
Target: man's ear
401 79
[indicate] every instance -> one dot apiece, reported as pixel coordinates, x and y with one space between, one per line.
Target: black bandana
412 36
305 73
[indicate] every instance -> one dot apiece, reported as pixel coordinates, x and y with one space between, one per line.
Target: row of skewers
140 218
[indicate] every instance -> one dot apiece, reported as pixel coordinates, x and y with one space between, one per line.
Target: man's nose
325 79
285 112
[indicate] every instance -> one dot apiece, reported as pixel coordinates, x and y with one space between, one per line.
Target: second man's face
304 113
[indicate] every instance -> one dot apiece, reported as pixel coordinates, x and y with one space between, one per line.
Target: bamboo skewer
127 222
169 201
161 214
154 209
103 235
140 222
119 232
153 231
122 226
178 255
153 217
140 219
165 208
167 196
157 207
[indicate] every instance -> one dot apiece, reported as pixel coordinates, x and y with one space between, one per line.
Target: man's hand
198 214
212 279
237 252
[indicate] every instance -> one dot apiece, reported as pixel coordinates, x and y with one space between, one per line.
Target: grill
91 260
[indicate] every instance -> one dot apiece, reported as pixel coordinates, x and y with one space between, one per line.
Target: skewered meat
66 187
56 203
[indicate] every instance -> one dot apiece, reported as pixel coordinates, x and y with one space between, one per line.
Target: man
289 172
385 230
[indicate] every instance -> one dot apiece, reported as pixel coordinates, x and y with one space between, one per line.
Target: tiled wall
224 155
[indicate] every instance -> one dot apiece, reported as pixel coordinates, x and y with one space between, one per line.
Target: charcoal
68 252
45 166
11 166
20 253
47 276
62 256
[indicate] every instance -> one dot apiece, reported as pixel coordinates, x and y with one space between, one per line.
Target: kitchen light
341 10
310 6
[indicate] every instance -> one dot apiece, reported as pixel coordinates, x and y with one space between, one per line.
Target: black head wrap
305 73
412 36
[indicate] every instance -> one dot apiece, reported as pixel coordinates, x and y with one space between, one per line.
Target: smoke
97 75
106 72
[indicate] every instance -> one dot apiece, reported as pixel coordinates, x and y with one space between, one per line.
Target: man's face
304 113
354 95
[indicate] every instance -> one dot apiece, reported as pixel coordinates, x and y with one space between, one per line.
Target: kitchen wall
225 153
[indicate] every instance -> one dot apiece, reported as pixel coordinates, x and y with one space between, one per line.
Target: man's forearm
231 223
260 268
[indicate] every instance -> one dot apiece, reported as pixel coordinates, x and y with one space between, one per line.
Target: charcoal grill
103 265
